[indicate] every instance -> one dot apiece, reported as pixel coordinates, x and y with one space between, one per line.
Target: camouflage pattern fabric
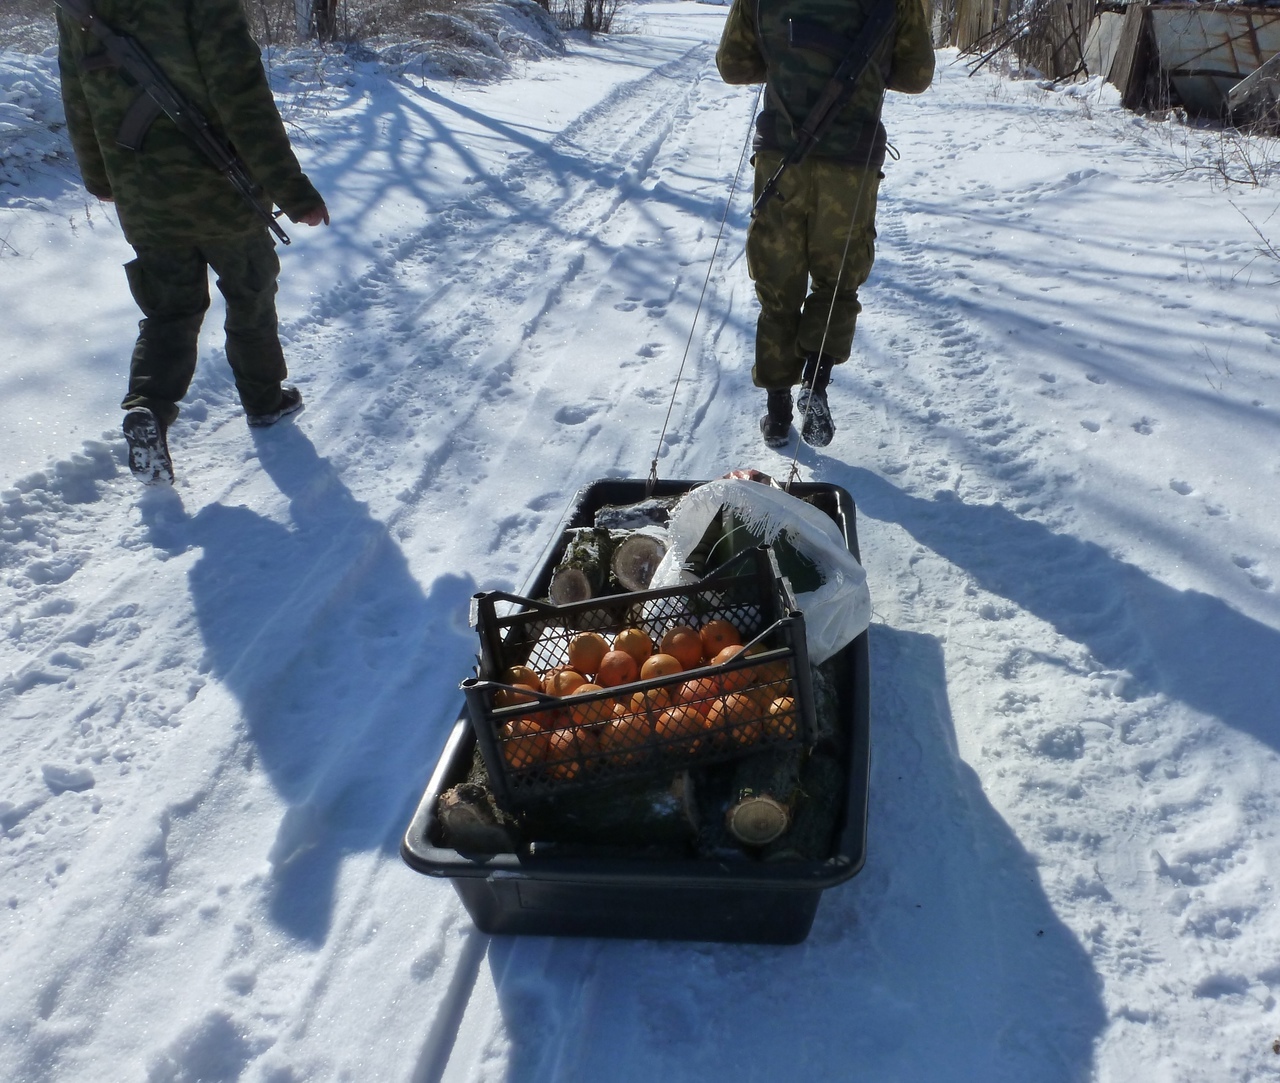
800 237
171 286
808 296
754 48
168 192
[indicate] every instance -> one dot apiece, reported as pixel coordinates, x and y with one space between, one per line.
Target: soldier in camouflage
812 245
179 213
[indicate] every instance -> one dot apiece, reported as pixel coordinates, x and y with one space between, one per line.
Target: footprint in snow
1092 426
573 415
544 501
1182 488
1144 426
1094 378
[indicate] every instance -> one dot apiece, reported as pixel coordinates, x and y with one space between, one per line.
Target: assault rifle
840 87
161 96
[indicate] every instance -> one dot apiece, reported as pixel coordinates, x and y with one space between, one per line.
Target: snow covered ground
220 704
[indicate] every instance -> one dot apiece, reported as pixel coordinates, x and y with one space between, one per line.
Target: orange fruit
585 651
733 680
652 702
562 744
523 743
684 644
660 665
504 697
560 682
716 635
699 693
682 726
782 722
564 752
617 667
522 675
627 732
580 714
736 717
636 642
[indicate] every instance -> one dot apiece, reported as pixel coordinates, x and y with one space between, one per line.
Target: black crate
541 891
545 745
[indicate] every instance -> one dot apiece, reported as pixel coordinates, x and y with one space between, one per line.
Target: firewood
816 813
635 558
583 570
655 511
764 791
470 819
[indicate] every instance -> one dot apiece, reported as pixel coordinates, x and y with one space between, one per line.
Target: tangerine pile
738 707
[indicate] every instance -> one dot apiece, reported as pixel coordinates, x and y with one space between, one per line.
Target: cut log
469 817
764 792
816 813
583 570
468 824
757 819
636 556
655 511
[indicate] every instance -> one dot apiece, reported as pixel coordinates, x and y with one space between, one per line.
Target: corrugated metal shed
1205 49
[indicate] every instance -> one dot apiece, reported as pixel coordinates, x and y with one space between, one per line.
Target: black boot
149 460
817 428
290 403
775 425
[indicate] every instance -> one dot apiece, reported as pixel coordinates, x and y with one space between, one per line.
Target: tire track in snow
344 578
1060 669
558 272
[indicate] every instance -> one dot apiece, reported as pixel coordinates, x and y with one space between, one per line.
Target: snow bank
32 123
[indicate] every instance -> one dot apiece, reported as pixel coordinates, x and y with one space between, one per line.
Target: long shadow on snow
942 961
345 669
1185 644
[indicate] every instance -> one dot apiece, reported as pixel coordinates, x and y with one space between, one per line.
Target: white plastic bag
836 613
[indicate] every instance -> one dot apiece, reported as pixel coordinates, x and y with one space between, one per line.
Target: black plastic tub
543 893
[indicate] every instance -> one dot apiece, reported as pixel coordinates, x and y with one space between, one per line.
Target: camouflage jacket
755 48
168 192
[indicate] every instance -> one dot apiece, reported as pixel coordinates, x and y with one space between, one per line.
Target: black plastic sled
539 891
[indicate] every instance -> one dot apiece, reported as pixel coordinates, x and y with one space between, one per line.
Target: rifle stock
161 96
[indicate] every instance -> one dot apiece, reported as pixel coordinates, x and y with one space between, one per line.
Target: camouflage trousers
171 286
796 254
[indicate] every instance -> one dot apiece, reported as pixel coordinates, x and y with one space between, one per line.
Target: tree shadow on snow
942 960
1184 644
344 668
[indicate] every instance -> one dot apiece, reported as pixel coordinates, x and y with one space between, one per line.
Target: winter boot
148 447
775 425
817 428
290 403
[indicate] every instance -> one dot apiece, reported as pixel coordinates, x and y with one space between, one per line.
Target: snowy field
1062 430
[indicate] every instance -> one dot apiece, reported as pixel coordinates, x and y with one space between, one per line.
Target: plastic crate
542 891
547 745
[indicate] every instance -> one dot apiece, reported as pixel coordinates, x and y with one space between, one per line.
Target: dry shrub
27 25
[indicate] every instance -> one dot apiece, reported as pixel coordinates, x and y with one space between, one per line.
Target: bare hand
314 217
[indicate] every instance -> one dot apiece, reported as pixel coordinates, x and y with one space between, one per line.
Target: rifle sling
811 36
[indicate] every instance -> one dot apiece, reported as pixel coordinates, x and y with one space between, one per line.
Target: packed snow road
222 702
